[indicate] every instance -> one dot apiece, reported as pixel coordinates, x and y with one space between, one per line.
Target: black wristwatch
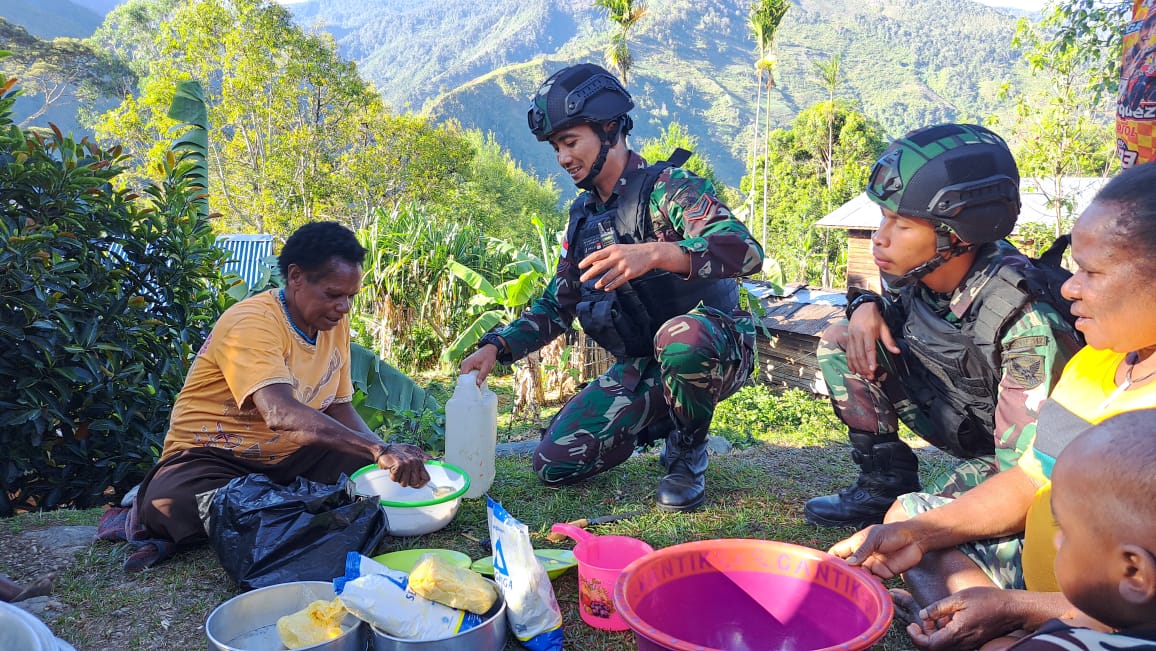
493 338
860 298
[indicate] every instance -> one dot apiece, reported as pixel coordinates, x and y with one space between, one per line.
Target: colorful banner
1136 103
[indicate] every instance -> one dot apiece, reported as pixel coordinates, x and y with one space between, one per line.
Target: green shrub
105 296
760 414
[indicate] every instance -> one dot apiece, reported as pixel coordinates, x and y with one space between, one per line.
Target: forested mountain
906 62
52 18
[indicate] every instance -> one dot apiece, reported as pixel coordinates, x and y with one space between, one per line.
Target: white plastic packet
531 608
380 596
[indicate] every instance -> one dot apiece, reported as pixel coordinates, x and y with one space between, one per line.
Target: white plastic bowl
415 511
20 629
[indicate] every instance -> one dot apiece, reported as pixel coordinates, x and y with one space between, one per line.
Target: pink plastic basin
738 595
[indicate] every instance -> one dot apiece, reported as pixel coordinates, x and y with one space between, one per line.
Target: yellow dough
318 622
457 587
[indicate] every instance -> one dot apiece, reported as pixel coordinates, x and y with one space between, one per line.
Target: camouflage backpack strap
634 201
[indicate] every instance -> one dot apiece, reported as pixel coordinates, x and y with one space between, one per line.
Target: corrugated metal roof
804 310
1035 193
247 253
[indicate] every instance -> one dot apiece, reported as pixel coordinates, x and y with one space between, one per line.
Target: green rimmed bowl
416 511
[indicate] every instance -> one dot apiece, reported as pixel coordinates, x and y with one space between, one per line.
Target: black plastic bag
266 533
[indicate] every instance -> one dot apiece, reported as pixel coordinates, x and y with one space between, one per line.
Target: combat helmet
582 94
960 177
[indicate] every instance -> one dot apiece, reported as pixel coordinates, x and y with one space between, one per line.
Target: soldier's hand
617 264
864 331
885 550
405 463
481 360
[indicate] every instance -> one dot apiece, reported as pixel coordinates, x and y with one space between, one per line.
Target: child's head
1104 500
957 182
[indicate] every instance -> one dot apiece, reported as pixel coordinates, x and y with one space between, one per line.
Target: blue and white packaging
531 608
381 596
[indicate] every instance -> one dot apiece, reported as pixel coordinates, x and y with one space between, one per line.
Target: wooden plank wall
788 360
861 269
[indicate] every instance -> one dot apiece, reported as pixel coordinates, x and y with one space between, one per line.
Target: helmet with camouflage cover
582 94
960 177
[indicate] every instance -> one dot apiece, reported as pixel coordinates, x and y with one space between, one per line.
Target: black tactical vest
954 369
624 321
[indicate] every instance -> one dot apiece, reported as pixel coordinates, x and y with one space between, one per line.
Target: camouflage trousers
878 406
701 358
999 558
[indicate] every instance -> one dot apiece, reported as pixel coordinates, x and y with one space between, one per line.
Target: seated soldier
982 564
964 346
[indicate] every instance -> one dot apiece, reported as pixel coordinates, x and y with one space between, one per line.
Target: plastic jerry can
472 432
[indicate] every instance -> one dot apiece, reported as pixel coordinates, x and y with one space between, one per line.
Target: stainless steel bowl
490 635
248 622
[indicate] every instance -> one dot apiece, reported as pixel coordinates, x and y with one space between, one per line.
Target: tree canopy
295 133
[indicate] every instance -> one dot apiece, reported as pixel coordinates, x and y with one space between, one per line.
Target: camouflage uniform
1035 348
700 358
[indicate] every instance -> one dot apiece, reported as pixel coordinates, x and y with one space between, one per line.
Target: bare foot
38 588
906 609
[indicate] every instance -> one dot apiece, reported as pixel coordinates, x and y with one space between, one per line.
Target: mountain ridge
899 65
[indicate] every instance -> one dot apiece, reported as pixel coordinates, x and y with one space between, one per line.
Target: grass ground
789 449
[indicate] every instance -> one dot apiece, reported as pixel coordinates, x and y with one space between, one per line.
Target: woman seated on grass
270 392
963 559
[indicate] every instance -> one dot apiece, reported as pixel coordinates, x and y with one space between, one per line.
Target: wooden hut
791 324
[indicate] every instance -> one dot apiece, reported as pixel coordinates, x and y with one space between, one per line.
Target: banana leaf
385 387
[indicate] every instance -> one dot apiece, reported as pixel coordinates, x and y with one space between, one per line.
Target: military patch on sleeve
686 196
1027 343
1027 370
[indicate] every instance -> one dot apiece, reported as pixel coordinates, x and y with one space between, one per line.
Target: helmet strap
609 139
945 250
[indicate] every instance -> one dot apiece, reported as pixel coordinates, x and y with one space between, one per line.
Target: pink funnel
738 595
601 560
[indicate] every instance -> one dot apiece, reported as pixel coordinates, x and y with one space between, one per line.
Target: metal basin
490 635
248 622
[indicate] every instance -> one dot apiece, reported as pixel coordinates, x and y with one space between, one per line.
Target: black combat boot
684 486
888 469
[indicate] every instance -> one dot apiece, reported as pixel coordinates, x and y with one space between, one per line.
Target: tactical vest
954 369
625 321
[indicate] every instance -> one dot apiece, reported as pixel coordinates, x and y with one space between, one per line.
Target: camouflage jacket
683 209
1034 349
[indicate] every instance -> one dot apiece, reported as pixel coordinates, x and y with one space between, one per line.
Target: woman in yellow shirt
269 392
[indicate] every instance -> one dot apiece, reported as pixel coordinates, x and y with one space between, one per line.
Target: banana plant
388 400
188 107
501 303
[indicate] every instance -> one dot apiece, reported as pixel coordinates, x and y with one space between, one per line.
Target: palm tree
761 46
624 13
828 74
764 22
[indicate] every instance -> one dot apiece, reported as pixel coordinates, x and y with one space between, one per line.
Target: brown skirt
166 502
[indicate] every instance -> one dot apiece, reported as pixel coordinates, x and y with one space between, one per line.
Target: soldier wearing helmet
965 344
648 267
